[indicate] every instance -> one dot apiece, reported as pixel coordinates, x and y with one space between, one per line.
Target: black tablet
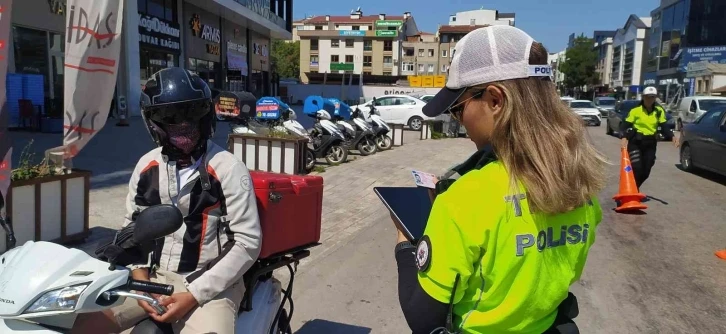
411 206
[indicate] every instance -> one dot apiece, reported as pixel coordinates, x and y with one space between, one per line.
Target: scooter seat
149 326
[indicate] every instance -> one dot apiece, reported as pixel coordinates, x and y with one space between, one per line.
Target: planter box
52 208
425 130
396 134
267 154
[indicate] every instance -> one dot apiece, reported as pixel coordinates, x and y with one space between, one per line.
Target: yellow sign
427 80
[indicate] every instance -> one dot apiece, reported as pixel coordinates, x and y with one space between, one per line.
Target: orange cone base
721 254
630 202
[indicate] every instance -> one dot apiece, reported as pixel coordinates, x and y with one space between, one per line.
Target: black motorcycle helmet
173 96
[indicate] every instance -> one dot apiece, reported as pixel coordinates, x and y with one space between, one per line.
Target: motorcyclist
220 239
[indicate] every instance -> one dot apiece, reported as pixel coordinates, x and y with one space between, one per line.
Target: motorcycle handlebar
151 287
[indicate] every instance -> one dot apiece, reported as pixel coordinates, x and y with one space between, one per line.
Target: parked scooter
359 133
380 128
327 139
72 282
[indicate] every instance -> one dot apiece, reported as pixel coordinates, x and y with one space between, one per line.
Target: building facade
420 55
604 48
480 17
628 56
684 32
212 38
370 45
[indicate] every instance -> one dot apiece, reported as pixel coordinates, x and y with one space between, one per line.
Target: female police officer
504 241
640 129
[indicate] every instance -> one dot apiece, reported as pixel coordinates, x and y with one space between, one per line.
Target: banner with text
6 150
93 48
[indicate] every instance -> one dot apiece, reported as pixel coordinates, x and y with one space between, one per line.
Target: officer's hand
676 142
624 143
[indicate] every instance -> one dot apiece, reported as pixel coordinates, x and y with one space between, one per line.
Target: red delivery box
290 209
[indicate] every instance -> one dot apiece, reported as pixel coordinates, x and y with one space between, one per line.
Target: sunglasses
457 110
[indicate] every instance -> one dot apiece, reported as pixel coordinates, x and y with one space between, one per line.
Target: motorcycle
71 282
292 126
380 129
327 140
359 134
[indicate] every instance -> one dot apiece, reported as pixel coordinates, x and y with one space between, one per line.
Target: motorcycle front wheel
337 154
384 142
309 160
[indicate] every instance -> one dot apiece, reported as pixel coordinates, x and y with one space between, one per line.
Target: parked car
587 111
614 122
567 99
402 109
426 98
605 104
703 142
692 107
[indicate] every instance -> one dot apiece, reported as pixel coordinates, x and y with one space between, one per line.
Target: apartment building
353 44
420 55
481 17
629 45
604 48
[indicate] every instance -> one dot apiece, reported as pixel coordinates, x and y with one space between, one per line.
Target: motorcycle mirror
156 222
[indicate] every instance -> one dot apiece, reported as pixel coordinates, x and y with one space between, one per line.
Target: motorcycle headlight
64 299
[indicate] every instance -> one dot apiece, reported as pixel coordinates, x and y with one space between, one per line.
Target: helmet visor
177 113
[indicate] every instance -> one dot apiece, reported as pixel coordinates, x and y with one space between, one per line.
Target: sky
548 21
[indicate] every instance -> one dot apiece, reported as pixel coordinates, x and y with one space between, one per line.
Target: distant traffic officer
505 240
640 134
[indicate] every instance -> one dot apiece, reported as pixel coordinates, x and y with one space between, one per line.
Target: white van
692 107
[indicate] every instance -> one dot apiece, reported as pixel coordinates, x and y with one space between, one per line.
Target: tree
285 58
580 64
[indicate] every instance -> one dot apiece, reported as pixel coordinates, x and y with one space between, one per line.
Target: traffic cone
721 254
628 195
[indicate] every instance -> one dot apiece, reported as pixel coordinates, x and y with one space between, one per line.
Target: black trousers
642 157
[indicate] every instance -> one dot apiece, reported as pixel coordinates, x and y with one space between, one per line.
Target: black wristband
404 245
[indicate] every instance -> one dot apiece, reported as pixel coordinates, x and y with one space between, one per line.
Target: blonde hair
544 145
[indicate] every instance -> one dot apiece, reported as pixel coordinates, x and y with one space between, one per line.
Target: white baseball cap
489 54
650 90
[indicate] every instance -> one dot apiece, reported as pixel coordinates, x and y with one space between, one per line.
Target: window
368 45
163 9
453 19
472 21
366 73
711 118
31 53
444 38
335 43
431 68
313 71
420 52
313 45
384 101
406 101
348 43
408 52
370 27
314 60
421 68
443 68
387 45
387 61
367 61
318 27
349 58
387 73
356 27
431 52
334 59
711 104
407 67
444 53
693 103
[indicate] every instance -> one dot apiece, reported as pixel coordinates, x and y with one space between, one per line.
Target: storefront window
163 9
207 70
154 61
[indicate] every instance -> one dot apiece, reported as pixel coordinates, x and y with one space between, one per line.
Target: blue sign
650 78
711 54
268 108
352 32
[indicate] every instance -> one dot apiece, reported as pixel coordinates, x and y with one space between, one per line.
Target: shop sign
352 32
389 23
204 31
341 66
710 54
386 33
259 49
232 46
157 32
213 49
268 108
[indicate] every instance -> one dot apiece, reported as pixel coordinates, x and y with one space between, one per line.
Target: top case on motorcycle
290 209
